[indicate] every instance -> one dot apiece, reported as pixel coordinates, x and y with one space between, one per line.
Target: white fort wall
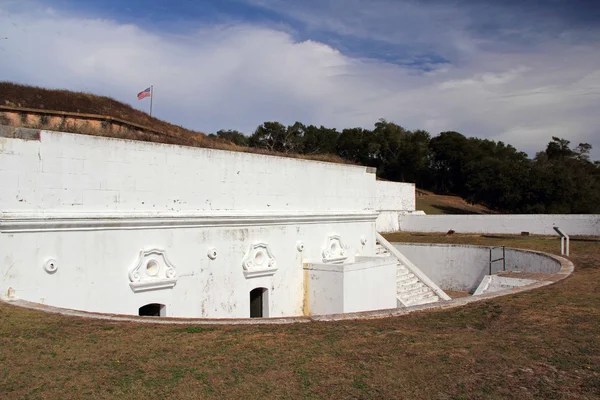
392 200
205 227
69 172
538 224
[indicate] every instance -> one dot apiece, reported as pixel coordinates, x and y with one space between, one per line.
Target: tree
269 135
276 137
352 145
496 175
572 181
412 159
233 136
449 154
294 138
384 148
559 149
320 140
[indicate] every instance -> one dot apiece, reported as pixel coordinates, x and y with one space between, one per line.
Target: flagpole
151 97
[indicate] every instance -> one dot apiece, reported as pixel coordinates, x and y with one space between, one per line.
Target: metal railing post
564 238
503 258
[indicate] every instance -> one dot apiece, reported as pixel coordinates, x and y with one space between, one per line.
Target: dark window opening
152 310
258 303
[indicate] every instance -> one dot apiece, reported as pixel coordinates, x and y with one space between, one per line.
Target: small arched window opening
153 310
259 303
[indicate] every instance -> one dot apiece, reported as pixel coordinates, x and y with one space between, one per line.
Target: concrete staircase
412 286
380 250
410 290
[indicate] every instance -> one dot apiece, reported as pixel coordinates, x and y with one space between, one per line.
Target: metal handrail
563 236
503 258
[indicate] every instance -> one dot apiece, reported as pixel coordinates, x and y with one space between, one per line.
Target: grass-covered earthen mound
433 204
22 97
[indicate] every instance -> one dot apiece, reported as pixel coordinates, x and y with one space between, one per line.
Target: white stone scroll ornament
259 261
152 271
334 250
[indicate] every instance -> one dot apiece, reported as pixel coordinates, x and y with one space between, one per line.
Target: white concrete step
379 246
380 250
414 292
417 297
408 284
410 291
424 295
402 287
411 288
425 299
406 278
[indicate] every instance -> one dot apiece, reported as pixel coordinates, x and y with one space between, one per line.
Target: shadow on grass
455 210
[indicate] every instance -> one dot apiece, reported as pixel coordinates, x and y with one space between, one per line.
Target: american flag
144 94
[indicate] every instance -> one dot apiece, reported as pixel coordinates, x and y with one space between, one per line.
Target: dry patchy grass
444 204
539 344
25 96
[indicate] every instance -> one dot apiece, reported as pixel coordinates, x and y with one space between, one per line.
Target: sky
516 71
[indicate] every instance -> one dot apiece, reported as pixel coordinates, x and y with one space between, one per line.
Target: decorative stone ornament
50 266
334 250
259 261
363 240
212 253
300 246
152 271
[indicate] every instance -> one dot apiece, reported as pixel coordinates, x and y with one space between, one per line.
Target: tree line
559 179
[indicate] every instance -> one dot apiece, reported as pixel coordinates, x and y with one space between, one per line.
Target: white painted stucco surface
392 200
70 172
495 283
93 204
388 221
394 196
462 267
538 224
369 283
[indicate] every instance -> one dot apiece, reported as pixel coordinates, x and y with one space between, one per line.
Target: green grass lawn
542 344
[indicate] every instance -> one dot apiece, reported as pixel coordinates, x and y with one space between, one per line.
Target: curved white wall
93 204
93 266
462 267
537 224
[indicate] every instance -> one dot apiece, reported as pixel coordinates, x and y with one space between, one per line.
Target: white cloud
486 79
238 76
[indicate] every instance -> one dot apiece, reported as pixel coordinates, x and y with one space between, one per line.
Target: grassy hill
12 94
32 97
442 204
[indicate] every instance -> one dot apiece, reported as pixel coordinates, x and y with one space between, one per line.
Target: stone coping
35 221
566 269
